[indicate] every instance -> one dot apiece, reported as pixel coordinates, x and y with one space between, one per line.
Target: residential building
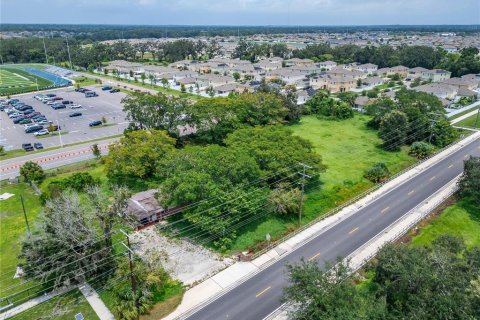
436 75
440 90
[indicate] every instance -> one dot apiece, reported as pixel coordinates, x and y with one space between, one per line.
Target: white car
74 106
42 132
49 103
14 115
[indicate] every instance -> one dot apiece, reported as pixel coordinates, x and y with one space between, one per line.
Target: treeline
465 62
111 32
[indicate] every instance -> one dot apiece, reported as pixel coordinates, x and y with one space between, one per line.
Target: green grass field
15 81
13 229
460 219
348 148
469 122
63 307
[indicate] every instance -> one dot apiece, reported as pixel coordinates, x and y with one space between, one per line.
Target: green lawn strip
20 152
51 134
469 122
460 219
62 307
463 113
167 91
83 81
105 125
347 148
13 229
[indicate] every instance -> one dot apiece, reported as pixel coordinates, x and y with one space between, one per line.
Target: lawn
460 219
63 307
85 81
13 228
469 122
463 113
348 148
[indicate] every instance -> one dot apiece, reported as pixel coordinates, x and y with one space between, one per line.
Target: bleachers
57 80
59 71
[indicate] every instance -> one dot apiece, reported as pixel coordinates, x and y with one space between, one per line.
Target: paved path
465 116
95 302
32 303
457 111
252 290
55 158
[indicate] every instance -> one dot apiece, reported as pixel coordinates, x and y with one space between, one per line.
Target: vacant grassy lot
461 219
348 148
469 122
13 228
63 307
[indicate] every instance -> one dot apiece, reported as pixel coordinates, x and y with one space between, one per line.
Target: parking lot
73 130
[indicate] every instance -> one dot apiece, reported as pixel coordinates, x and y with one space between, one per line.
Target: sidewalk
33 302
239 272
465 116
95 302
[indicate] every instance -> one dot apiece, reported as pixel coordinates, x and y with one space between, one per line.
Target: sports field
15 81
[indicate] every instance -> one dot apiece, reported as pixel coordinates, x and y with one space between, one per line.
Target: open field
461 219
15 80
469 122
348 148
63 307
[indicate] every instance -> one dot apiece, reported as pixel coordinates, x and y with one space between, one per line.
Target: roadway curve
260 295
53 158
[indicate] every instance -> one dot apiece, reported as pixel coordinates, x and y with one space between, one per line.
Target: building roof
144 204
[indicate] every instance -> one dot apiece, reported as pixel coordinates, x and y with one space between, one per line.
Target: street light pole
476 119
25 215
60 134
303 174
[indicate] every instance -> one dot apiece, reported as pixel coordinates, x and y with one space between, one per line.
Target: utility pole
45 50
69 58
303 174
25 215
130 259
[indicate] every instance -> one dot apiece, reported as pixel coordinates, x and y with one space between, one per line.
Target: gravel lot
75 129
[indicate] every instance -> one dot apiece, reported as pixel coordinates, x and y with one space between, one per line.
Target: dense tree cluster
436 282
325 106
251 51
414 116
470 181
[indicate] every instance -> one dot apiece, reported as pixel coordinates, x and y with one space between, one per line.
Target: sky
241 12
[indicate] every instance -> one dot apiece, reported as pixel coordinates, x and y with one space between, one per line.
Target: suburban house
373 81
298 62
369 68
144 207
440 90
124 67
333 83
340 72
361 102
462 83
416 72
225 89
400 70
327 65
286 74
436 75
213 80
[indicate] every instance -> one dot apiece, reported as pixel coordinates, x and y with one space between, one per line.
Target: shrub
421 150
377 173
32 171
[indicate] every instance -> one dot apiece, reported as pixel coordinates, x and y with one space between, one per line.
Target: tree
421 150
32 172
326 106
2 150
164 82
377 173
378 109
143 77
104 120
182 88
284 200
96 151
393 128
135 157
359 83
469 182
236 76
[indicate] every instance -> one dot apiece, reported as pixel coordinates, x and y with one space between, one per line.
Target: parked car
58 106
34 129
38 145
27 111
42 132
114 90
75 114
51 95
49 103
24 121
43 122
12 101
67 102
80 90
14 115
95 123
90 94
57 98
105 88
27 146
18 119
75 106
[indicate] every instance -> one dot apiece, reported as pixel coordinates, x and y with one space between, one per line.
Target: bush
421 150
377 173
32 171
77 181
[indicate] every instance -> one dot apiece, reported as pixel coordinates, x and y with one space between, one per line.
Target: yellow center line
386 209
450 166
433 178
353 230
411 192
263 291
311 258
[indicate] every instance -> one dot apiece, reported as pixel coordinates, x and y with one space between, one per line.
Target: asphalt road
53 158
260 295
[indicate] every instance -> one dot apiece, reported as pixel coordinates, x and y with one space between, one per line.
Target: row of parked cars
56 102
